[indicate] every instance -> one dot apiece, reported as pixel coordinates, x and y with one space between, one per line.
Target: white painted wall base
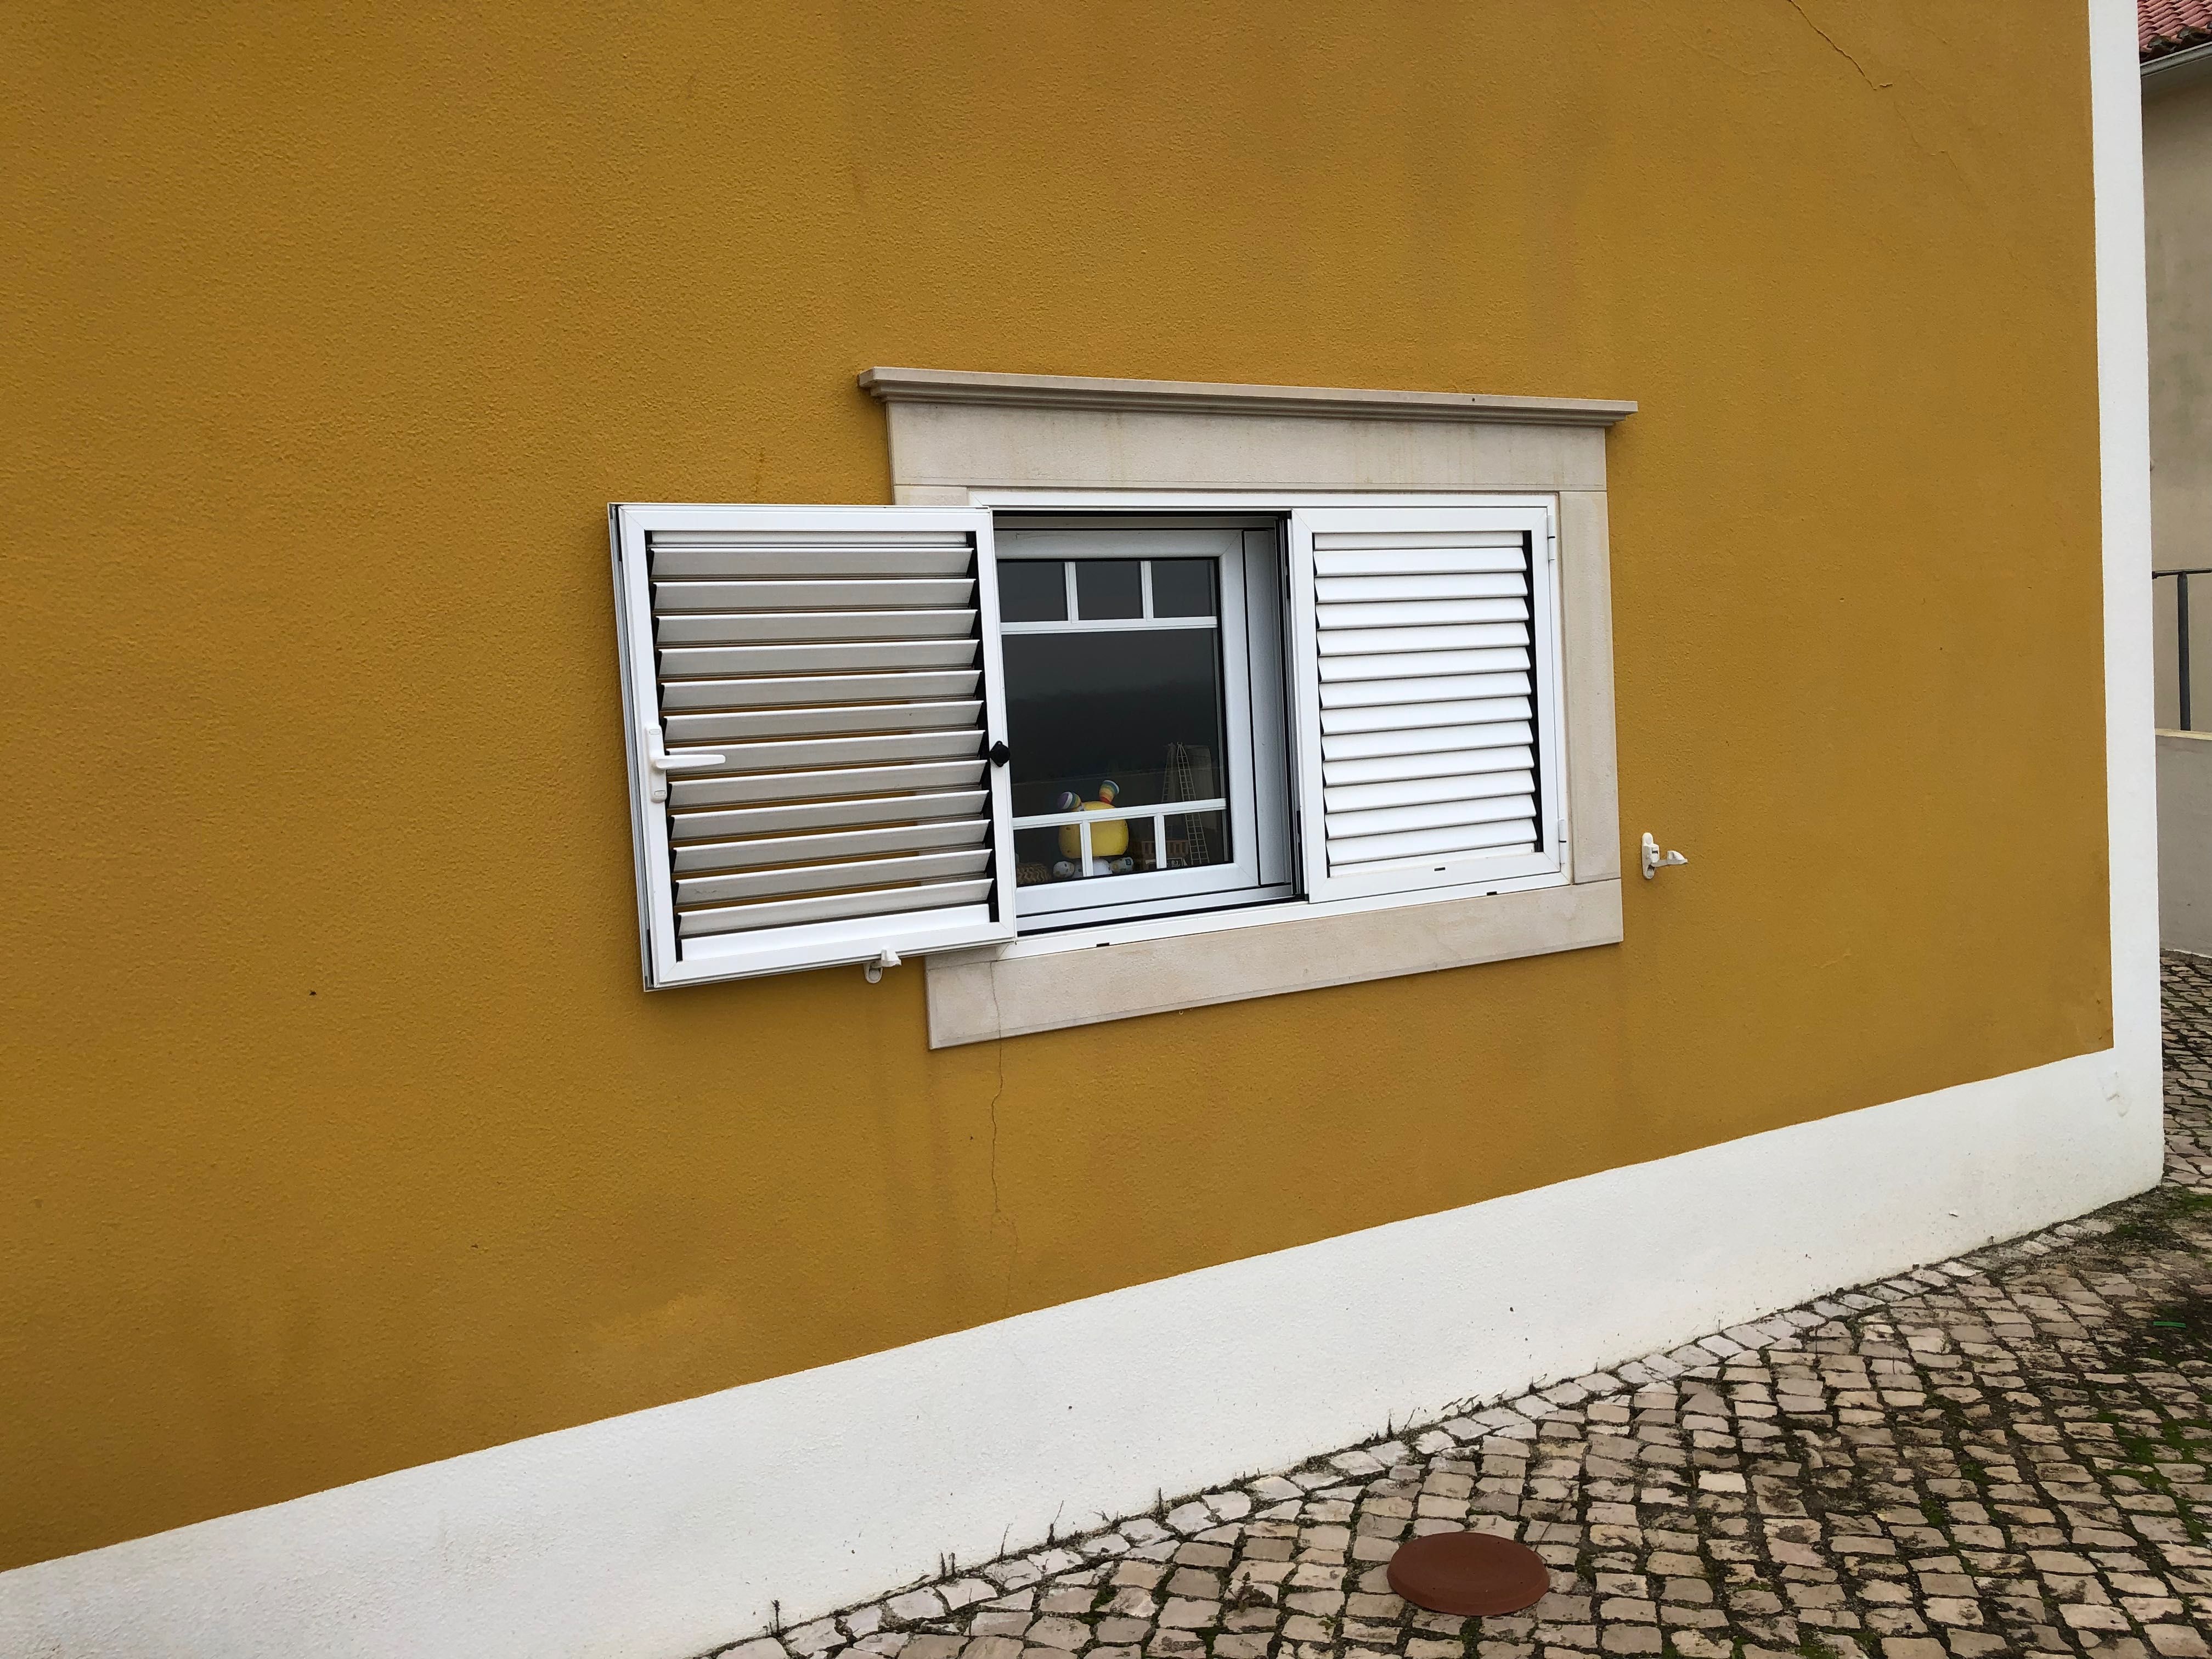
659 1534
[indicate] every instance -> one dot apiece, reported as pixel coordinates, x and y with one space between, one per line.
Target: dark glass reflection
1055 854
1032 590
1196 839
1182 588
1140 708
1109 589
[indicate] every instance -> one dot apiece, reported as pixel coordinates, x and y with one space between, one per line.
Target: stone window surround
963 439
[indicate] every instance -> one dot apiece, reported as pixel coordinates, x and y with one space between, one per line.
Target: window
859 733
1147 694
1139 663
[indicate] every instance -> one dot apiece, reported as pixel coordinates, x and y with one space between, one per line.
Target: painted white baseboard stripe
659 1534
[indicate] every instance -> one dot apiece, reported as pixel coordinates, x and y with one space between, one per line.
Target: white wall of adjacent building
2178 244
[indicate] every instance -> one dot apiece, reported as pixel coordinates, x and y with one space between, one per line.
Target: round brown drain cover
1469 1572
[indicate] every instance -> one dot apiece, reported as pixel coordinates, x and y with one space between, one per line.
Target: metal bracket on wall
1654 861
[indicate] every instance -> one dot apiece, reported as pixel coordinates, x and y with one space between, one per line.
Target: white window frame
1255 763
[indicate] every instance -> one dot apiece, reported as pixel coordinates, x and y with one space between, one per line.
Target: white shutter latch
660 764
874 970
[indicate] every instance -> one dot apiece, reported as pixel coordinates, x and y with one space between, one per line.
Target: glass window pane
1109 589
1032 590
1182 588
1140 710
1196 838
1035 850
1055 854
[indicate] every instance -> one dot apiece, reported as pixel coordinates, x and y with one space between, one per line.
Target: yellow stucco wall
339 1135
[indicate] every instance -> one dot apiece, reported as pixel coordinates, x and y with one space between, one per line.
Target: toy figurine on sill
1109 841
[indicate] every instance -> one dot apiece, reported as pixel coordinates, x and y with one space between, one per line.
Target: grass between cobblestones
2006 1454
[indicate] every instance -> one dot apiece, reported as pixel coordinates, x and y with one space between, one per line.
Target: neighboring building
2176 43
1741 442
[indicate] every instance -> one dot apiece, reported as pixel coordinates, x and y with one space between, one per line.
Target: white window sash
1246 771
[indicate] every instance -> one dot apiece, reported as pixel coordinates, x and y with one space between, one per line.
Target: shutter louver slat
817 690
1345 641
1423 613
750 627
1391 717
1446 688
827 597
740 725
706 554
1349 826
1418 849
1508 756
703 661
822 815
1437 786
1511 727
832 906
1389 560
1393 665
1391 590
950 743
738 790
691 859
821 684
1422 652
826 877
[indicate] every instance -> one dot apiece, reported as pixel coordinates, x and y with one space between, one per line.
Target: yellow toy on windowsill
1108 841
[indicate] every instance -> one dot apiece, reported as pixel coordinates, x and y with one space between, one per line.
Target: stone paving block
2005 1454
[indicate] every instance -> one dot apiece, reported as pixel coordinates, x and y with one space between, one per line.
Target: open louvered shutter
812 698
1425 650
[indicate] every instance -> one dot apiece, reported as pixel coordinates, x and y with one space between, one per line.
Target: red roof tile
2164 26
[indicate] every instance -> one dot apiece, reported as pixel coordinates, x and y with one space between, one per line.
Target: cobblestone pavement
2004 1454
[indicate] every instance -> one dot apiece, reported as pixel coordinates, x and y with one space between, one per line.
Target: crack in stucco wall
1878 86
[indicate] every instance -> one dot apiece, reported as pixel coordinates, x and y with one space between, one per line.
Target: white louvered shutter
1426 670
813 696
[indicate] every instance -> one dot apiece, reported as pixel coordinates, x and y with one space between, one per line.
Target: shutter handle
659 763
1000 754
